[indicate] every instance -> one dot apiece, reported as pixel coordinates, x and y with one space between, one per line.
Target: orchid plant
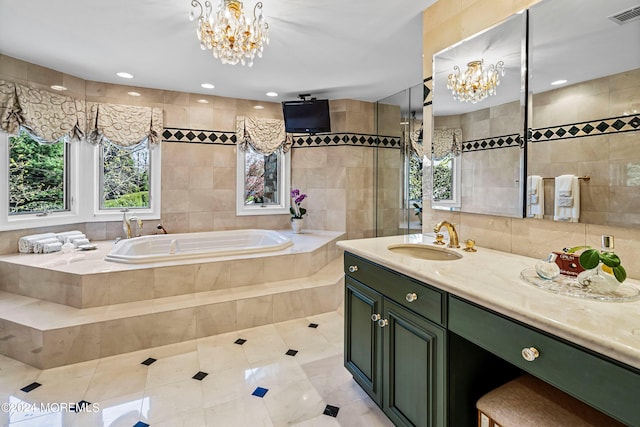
297 212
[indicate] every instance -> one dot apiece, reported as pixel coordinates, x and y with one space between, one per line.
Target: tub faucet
126 223
160 227
453 235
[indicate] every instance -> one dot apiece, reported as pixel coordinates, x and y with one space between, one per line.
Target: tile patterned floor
285 374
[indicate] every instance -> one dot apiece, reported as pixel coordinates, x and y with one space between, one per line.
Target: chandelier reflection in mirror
477 83
230 35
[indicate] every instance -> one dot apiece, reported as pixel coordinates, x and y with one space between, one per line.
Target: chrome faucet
126 223
453 235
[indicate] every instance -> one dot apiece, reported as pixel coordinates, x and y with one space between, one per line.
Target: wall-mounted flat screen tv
310 116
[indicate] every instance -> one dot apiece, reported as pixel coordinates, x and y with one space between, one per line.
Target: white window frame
454 201
84 178
284 187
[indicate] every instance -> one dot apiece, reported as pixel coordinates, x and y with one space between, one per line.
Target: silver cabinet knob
353 268
375 317
411 297
530 354
383 322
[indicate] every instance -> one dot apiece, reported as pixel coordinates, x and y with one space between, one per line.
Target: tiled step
45 334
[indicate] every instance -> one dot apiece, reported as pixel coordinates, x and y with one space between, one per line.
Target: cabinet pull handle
530 354
383 322
353 268
411 297
375 317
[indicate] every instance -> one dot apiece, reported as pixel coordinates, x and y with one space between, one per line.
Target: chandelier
476 83
228 33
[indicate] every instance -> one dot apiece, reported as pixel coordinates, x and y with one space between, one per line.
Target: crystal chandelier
476 83
228 33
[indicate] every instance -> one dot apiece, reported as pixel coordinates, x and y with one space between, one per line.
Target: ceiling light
207 85
477 83
258 107
124 75
272 94
133 93
202 101
58 87
229 35
558 82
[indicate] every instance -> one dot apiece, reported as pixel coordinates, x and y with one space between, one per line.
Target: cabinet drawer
428 302
600 382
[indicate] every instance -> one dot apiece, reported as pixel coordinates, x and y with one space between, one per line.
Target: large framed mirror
477 149
584 85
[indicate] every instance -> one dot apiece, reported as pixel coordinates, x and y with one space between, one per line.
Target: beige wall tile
173 326
125 335
213 275
176 280
216 319
252 312
71 345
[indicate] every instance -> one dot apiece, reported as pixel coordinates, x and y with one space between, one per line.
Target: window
38 176
262 182
124 176
446 181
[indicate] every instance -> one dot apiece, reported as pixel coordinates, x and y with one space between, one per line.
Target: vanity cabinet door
363 337
413 368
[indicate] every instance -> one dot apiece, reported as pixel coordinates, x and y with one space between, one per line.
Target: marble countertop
492 279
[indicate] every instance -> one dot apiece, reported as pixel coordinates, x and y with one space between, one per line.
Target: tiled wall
589 129
198 176
447 22
490 161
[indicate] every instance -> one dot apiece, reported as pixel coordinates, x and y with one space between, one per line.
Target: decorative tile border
577 130
354 139
493 142
197 136
427 91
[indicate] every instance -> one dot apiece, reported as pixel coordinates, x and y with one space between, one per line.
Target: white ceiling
357 49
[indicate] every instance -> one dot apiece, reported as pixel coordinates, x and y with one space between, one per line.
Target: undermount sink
430 253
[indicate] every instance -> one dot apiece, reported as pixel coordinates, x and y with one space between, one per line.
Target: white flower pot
297 224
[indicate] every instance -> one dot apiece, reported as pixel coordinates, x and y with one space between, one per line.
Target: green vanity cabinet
397 355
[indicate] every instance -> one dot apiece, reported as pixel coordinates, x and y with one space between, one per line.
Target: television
308 116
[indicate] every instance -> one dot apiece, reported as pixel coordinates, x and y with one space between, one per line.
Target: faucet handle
469 245
439 239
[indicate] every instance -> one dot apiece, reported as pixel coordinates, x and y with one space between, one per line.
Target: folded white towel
52 247
25 243
567 208
75 238
80 242
62 237
535 200
563 185
38 246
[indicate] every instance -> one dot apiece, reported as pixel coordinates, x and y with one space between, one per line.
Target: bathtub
168 247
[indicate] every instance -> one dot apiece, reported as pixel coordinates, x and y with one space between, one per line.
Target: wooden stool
530 402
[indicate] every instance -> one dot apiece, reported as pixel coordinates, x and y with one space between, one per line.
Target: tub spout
160 227
173 247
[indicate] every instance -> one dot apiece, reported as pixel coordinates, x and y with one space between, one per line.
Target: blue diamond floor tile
260 392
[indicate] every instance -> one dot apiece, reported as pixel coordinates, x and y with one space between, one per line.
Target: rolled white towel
75 237
79 242
25 243
52 247
62 237
38 246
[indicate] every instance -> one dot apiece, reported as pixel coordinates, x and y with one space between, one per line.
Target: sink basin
430 253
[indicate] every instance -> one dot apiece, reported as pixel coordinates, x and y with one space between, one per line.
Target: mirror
588 125
477 149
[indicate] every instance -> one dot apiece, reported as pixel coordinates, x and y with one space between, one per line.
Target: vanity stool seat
530 402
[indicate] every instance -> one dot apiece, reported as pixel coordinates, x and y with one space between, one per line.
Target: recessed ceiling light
202 101
124 75
58 87
258 107
272 94
134 93
558 82
207 85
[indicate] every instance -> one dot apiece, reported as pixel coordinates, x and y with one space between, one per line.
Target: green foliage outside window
443 179
36 175
125 176
415 178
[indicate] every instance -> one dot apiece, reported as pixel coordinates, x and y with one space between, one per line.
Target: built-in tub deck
135 306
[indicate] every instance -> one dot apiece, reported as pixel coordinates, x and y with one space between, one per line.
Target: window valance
123 125
263 135
47 116
446 141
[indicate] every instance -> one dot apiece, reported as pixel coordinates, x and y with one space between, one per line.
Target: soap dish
569 285
88 247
